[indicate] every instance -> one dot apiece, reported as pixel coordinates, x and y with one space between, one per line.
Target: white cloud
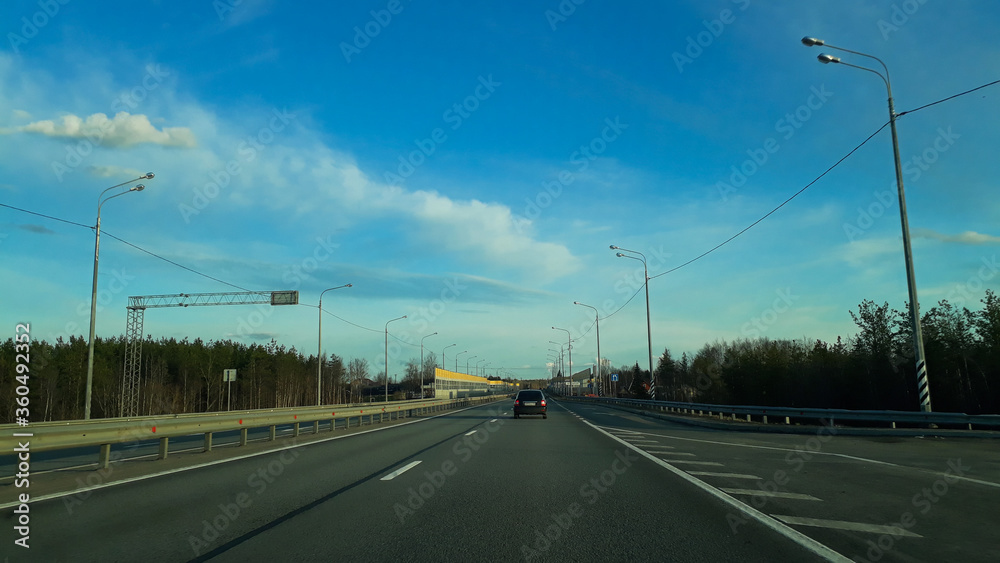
115 171
868 253
968 237
124 130
485 232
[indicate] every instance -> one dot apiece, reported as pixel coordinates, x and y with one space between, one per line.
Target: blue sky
468 166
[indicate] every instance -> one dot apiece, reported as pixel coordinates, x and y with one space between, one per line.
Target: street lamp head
138 188
349 285
576 302
148 176
620 255
812 42
826 59
613 247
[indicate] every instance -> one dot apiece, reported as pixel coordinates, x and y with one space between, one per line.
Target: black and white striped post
911 282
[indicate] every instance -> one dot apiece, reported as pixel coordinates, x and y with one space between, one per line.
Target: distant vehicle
529 401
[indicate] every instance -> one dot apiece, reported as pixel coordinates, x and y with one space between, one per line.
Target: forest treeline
873 369
185 376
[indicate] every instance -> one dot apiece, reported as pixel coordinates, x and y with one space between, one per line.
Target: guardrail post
315 427
208 441
243 436
295 432
333 424
765 419
271 433
164 446
748 418
787 420
105 456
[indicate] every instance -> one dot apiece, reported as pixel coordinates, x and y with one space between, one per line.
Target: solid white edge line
833 454
776 525
218 462
757 447
400 471
846 525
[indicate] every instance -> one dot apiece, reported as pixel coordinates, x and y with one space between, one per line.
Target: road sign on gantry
284 298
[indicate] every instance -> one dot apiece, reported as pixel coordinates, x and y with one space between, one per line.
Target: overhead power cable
827 171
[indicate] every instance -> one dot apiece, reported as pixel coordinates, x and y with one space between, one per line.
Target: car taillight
516 402
543 402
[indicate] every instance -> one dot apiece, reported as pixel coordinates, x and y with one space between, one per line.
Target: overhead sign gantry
137 305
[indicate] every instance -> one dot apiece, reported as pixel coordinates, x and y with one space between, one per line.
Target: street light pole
422 363
467 364
911 282
93 290
562 362
319 348
387 356
569 346
597 316
442 355
649 330
456 360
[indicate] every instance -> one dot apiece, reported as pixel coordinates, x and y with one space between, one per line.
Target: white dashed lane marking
400 471
773 494
686 462
727 475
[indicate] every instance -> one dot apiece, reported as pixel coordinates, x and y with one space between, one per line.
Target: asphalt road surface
590 483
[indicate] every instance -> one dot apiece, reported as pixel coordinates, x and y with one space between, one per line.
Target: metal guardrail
828 416
50 436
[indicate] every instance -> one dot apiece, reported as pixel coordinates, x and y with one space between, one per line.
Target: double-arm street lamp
649 331
442 355
562 352
387 355
569 346
918 340
101 200
599 381
319 348
422 363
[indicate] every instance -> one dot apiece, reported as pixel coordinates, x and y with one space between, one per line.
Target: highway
590 483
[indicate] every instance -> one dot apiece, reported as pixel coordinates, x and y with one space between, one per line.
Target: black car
529 401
